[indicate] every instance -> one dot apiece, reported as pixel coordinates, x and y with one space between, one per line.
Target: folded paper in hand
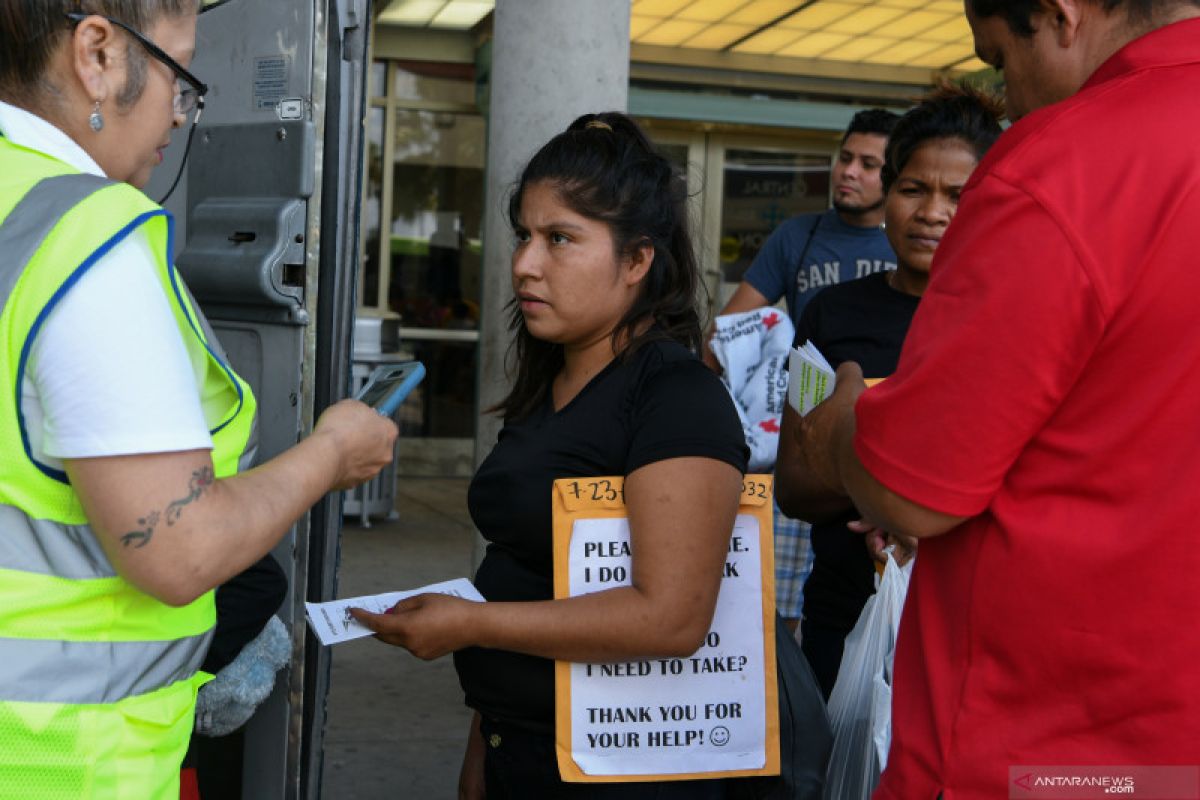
811 378
333 624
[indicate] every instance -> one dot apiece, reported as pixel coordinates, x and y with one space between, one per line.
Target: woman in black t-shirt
930 155
607 383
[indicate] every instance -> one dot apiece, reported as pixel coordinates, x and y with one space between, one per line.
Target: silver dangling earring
95 121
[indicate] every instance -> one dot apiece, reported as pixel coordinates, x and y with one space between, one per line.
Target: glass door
741 187
422 257
761 186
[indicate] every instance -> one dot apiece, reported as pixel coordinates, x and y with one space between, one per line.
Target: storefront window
436 219
372 209
434 82
443 406
762 189
422 230
377 80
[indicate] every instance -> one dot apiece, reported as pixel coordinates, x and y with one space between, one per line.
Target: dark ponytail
604 168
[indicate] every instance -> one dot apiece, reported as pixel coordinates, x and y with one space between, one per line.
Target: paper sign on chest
711 714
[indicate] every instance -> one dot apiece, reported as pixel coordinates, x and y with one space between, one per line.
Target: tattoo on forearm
201 480
141 538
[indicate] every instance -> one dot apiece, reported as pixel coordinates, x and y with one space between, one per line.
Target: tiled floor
396 725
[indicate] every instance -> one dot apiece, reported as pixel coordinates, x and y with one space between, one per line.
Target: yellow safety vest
98 680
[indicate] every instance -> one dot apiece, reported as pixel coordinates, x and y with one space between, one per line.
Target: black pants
245 604
520 765
823 648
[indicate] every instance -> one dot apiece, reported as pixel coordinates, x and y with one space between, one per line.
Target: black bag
805 738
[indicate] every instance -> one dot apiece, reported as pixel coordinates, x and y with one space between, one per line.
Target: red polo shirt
1049 389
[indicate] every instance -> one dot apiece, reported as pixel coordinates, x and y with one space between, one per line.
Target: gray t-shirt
811 251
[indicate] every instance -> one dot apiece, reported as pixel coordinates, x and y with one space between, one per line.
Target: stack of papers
811 378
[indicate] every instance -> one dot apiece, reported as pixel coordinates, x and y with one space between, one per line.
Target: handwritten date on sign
610 492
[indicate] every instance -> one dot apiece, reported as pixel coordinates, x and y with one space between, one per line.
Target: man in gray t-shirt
802 256
810 251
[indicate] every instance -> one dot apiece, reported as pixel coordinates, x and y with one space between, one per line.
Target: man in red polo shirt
1040 433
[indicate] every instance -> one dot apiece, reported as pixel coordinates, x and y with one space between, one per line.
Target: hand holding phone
389 384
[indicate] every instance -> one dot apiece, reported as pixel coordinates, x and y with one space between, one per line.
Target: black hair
952 111
877 121
31 29
604 168
1018 13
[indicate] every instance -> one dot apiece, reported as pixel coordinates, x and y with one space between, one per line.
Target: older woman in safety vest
122 428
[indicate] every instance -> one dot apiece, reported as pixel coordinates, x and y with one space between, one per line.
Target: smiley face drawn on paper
719 736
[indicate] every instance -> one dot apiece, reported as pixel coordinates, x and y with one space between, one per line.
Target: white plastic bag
860 707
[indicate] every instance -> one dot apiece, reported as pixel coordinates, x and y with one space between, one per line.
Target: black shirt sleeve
684 410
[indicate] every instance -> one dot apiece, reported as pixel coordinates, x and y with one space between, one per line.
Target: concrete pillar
552 60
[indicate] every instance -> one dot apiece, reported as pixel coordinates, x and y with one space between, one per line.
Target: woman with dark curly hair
932 151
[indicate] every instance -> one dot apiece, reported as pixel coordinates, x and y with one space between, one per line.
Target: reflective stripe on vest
26 226
69 672
50 548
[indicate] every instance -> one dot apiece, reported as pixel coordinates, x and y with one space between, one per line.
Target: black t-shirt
659 403
864 321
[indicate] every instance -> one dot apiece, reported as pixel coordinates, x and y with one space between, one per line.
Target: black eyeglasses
186 99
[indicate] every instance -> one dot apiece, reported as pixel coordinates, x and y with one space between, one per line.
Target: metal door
268 243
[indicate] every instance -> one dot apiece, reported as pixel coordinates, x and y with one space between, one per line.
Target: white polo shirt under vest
108 373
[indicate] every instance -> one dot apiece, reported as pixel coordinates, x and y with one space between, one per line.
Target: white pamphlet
333 624
811 378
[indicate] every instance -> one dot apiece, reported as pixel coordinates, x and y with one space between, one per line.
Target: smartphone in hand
389 384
